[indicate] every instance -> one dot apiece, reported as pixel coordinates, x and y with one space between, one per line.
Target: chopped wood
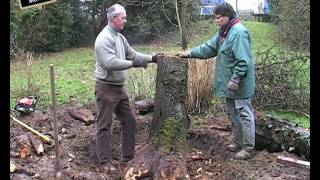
220 128
134 174
83 115
24 146
131 174
37 144
14 167
194 157
145 173
293 162
199 169
24 152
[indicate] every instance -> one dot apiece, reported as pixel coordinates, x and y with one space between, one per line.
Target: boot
233 147
107 167
244 155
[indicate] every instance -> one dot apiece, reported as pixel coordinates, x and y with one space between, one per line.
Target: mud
207 157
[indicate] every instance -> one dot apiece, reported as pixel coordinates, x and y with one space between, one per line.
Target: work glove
138 63
184 55
156 57
233 84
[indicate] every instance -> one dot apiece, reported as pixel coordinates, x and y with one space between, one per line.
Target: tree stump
165 156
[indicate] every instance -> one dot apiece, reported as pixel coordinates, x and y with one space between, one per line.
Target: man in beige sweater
114 56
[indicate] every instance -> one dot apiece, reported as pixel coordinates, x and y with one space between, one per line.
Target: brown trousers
113 99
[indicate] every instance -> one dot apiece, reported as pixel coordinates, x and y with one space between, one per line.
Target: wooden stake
55 126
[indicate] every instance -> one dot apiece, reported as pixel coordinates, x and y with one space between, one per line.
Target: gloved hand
184 55
138 63
156 57
233 84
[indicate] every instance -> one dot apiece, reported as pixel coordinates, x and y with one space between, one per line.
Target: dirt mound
207 157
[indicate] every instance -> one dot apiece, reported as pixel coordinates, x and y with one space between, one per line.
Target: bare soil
207 157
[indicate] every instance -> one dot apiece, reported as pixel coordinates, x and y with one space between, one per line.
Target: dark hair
224 9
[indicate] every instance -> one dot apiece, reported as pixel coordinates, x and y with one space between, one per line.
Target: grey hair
114 11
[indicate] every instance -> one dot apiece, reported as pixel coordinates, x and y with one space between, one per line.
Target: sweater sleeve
108 59
133 55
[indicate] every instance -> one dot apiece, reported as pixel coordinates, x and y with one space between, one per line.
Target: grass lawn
74 77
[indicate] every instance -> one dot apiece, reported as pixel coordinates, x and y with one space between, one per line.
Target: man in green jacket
114 56
234 75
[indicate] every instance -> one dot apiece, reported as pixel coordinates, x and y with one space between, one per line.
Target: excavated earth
207 157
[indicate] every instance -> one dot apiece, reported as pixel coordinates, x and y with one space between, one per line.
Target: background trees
293 20
75 23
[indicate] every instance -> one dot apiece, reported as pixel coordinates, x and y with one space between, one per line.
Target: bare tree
182 22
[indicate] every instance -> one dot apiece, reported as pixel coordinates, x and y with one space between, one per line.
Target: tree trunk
171 91
93 16
182 23
184 15
164 157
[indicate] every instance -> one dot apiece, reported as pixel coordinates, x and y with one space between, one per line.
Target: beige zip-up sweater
114 56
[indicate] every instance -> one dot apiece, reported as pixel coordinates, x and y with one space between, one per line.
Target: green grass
74 68
73 77
296 118
263 35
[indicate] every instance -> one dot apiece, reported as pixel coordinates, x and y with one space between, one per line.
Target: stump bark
165 156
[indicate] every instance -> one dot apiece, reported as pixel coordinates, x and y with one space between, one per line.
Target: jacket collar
223 32
112 30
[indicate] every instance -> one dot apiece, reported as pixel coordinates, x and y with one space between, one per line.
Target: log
293 162
37 144
24 146
165 156
83 115
276 135
144 106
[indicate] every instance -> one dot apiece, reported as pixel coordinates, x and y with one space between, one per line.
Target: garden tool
45 138
27 104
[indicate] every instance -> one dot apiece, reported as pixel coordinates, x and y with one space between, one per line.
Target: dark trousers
113 99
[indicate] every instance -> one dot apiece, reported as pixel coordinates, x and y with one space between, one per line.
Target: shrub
283 81
293 19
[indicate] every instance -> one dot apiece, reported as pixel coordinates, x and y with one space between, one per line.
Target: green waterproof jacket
233 58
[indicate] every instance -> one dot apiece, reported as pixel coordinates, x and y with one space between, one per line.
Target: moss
172 136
